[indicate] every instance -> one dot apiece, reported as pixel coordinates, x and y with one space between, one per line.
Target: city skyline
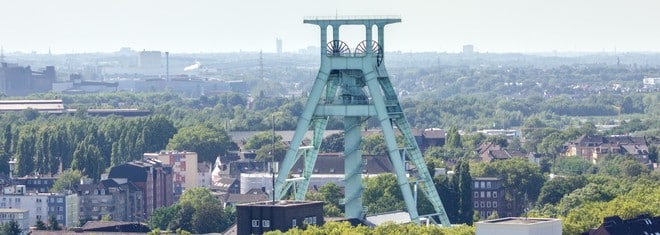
75 26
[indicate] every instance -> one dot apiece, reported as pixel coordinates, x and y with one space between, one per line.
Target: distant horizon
506 26
173 53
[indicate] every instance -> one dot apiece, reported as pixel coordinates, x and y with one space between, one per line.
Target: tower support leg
352 167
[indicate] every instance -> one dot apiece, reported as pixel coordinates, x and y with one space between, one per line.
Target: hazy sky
67 26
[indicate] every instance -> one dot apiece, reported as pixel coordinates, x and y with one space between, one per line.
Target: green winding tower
355 85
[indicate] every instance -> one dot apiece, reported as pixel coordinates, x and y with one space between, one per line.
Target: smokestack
167 68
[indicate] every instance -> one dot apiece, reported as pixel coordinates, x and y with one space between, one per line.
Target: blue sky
67 26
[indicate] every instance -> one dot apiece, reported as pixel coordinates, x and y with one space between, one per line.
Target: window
483 184
51 199
488 194
494 194
310 220
38 217
38 208
483 204
60 200
494 204
293 223
255 223
476 194
483 194
60 217
487 184
38 200
476 204
476 184
488 204
265 223
60 208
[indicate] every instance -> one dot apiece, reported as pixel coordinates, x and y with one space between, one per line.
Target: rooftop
352 20
281 203
519 220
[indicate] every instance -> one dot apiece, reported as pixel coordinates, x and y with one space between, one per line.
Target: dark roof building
642 225
261 217
115 226
152 177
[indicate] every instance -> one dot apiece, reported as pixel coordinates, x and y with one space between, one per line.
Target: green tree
198 197
494 215
162 216
554 190
448 193
11 228
208 142
8 138
333 143
184 217
453 139
382 194
571 166
522 179
462 172
156 133
374 144
67 180
40 225
106 217
52 223
210 218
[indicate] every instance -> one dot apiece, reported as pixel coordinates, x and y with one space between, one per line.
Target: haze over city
75 26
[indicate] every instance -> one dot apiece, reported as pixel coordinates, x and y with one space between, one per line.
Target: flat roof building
261 217
519 226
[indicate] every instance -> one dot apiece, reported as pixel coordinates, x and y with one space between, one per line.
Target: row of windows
39 182
485 214
482 184
38 200
485 194
310 220
264 223
486 204
18 200
59 217
11 215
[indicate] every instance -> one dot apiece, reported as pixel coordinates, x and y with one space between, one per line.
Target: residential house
117 198
184 168
152 177
490 152
594 147
41 184
18 215
36 205
489 197
204 175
